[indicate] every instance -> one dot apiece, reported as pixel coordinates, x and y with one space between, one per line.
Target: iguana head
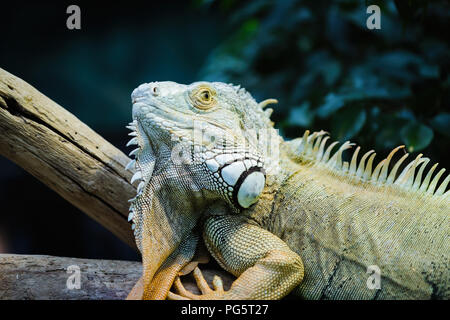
197 144
215 131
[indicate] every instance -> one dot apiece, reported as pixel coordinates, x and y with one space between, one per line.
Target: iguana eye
203 97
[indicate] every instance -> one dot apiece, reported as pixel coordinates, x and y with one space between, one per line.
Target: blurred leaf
249 10
323 64
347 123
411 9
387 136
249 27
301 116
322 68
441 123
406 115
332 103
416 136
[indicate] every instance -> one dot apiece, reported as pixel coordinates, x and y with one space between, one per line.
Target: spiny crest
132 166
241 92
312 147
250 102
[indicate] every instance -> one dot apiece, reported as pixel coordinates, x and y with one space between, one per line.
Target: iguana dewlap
279 215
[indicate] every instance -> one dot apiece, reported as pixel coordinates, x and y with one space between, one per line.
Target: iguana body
278 215
342 225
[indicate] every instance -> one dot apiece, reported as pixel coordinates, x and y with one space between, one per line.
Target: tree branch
45 277
65 154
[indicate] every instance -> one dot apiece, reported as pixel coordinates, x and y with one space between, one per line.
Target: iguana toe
207 293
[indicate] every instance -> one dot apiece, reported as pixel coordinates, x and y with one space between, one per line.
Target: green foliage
380 88
441 123
346 124
416 136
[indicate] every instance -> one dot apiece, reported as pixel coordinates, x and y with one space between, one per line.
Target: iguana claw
207 293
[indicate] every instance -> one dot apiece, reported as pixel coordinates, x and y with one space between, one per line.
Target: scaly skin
281 216
341 226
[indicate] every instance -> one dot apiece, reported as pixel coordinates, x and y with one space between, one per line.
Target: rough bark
45 277
65 154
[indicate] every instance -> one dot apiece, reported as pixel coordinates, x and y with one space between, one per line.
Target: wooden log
65 154
46 277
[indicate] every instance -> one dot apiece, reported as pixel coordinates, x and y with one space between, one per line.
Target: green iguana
279 215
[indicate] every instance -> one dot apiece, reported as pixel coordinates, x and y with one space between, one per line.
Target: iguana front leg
163 279
265 266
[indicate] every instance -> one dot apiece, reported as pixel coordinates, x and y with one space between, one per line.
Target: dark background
379 88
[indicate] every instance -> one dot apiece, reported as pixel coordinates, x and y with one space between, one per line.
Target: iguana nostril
155 91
